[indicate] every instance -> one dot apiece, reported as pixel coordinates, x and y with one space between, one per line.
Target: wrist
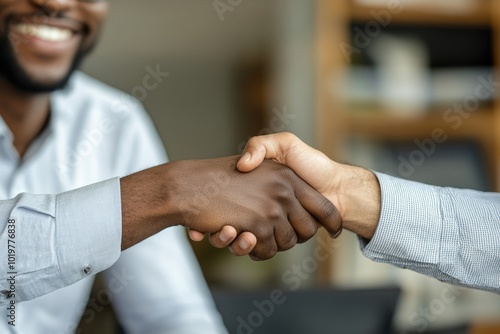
358 196
145 202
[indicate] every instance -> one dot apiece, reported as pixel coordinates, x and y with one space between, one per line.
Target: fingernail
246 157
244 244
336 235
253 257
224 236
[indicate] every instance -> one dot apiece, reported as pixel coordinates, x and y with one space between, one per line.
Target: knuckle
282 193
253 140
263 231
308 232
265 253
288 241
274 213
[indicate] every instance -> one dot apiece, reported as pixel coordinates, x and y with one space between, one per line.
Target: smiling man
52 245
41 47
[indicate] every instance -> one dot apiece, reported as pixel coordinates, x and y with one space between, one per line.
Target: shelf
479 13
378 125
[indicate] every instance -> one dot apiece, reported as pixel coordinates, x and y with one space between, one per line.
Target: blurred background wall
376 93
197 109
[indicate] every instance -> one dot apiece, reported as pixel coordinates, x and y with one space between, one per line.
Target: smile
43 32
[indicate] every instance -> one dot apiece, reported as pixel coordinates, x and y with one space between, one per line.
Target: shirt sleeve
450 234
52 241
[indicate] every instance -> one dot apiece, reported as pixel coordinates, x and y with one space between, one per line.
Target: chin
49 79
34 79
38 84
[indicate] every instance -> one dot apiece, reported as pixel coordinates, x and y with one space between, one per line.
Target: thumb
264 147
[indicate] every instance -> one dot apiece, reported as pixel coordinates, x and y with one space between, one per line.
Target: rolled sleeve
60 239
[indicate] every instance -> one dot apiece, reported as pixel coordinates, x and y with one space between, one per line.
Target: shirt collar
4 130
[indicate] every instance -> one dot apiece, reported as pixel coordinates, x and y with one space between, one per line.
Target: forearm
146 205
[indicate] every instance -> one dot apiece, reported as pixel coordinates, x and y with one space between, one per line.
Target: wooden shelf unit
335 122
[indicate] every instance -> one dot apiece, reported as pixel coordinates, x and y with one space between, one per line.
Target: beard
12 71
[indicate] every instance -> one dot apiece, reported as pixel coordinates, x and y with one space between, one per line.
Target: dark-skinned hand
271 202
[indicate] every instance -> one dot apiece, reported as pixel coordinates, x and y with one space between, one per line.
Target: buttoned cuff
88 230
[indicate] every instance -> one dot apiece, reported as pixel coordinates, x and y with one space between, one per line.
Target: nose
53 7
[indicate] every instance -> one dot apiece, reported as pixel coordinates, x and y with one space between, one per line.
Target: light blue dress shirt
95 135
450 234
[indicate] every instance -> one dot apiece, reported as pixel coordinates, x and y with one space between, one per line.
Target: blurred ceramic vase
403 75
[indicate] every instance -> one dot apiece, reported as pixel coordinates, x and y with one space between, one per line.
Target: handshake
277 194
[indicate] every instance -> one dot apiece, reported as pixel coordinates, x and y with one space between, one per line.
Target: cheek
95 19
97 15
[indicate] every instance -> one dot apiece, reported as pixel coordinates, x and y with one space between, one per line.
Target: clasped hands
276 195
257 205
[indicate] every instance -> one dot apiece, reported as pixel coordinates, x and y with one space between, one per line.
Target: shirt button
87 270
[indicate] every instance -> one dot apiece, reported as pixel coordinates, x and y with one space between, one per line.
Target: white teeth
44 32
